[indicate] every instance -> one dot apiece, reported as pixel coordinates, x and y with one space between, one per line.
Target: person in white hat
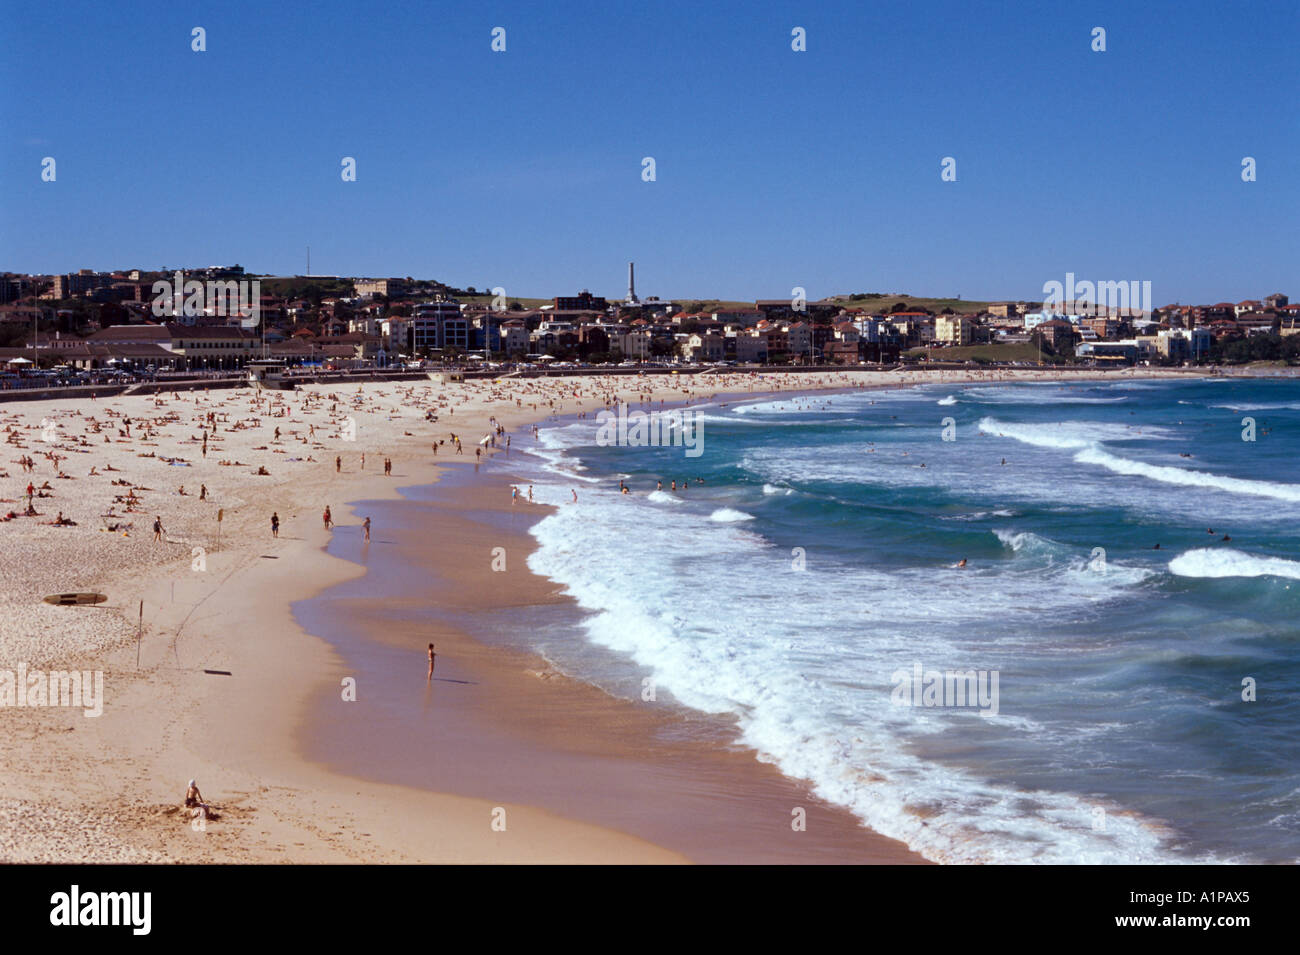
194 800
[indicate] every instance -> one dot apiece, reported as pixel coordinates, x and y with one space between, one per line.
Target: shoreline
515 727
238 735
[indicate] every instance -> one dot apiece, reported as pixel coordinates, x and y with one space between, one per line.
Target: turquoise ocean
811 559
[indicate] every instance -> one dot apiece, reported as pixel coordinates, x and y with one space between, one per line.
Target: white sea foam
1086 440
772 489
1280 406
1071 435
664 497
1026 541
1188 478
814 699
729 515
950 400
1226 562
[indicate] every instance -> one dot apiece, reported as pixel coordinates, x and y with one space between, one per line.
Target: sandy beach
528 767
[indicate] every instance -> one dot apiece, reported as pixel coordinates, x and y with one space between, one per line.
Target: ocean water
814 564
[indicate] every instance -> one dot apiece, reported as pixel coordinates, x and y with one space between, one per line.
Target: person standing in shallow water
432 658
366 526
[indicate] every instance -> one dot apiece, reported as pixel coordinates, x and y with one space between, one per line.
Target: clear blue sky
775 168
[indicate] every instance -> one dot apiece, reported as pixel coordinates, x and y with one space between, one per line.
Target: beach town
94 326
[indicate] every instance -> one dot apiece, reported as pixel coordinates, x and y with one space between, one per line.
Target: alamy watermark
129 909
1084 298
921 687
82 688
194 298
654 429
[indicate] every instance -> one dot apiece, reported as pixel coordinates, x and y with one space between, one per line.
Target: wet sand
502 723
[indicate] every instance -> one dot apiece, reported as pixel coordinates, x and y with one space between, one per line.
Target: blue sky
775 169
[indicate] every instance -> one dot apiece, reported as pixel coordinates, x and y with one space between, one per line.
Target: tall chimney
631 282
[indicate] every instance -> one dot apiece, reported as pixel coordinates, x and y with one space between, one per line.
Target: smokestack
631 282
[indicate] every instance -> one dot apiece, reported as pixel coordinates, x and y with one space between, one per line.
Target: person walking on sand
388 467
366 527
432 659
329 519
338 464
275 524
